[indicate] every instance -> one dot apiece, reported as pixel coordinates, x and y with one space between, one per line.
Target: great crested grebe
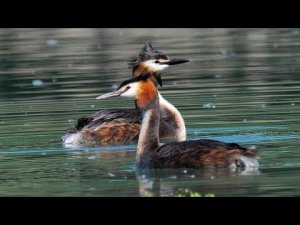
121 124
188 154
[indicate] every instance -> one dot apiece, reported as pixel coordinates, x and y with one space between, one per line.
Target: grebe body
119 125
187 154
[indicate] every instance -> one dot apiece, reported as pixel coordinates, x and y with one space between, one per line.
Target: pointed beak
110 95
176 61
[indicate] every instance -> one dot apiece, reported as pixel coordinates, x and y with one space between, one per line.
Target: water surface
242 85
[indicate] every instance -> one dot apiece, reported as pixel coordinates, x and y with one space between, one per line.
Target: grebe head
150 60
140 88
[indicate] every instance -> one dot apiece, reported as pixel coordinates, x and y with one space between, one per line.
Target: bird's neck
172 115
149 135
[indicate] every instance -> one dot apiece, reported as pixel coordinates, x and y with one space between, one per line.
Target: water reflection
159 183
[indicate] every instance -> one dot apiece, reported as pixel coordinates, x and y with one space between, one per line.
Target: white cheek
156 67
131 92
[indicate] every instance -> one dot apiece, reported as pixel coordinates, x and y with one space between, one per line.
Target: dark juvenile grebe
115 125
188 154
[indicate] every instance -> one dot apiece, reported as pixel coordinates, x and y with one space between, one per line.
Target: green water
241 85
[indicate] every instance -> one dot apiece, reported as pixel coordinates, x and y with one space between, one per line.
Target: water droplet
92 157
263 105
284 39
209 106
228 54
245 120
70 121
92 106
110 174
295 31
212 177
52 42
292 104
185 171
37 83
43 153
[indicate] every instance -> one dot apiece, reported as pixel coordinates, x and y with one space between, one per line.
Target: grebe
117 125
188 154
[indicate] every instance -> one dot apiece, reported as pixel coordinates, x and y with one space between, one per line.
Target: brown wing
199 153
112 132
114 116
115 125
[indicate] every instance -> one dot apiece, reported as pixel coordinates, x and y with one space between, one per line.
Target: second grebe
188 154
117 125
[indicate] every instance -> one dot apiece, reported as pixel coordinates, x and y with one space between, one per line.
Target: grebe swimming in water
115 125
188 154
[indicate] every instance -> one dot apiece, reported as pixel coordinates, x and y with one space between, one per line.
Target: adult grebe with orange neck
187 154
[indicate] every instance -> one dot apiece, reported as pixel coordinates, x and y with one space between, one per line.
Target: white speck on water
173 177
92 189
212 177
54 80
52 42
70 121
292 104
114 86
92 157
245 120
218 76
185 171
227 53
295 31
209 106
275 45
214 96
2 122
43 153
37 83
252 147
284 39
92 106
263 105
192 176
110 174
